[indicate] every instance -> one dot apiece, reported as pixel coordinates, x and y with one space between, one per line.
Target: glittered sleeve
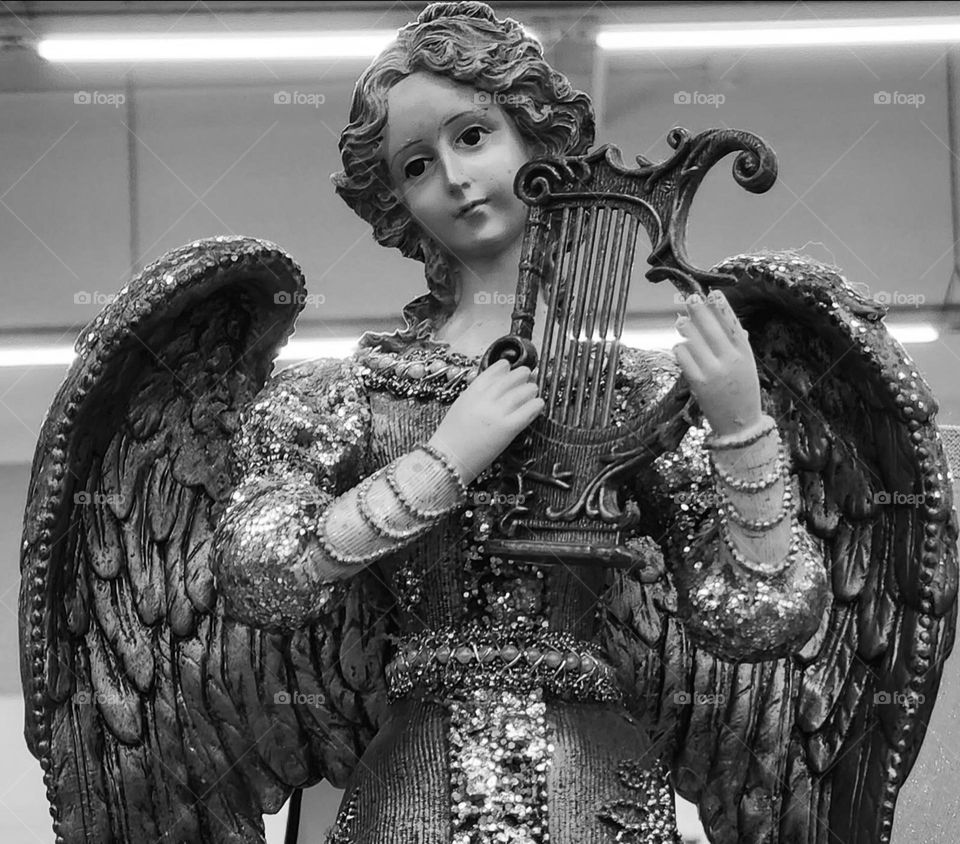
300 442
306 512
736 612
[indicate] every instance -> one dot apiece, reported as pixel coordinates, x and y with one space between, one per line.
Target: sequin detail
418 372
343 829
649 815
499 756
456 660
313 418
300 442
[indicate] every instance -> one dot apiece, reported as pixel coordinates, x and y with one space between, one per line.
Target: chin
486 244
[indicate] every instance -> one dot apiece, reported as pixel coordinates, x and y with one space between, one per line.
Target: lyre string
589 283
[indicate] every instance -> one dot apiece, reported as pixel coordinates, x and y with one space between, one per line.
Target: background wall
92 191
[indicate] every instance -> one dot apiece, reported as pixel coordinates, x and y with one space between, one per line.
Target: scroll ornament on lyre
559 485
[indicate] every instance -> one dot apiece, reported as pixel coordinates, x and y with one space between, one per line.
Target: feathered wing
155 717
815 746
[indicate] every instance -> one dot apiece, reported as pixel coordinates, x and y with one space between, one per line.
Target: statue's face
453 156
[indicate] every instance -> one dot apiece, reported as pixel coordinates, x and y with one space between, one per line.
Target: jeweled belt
450 661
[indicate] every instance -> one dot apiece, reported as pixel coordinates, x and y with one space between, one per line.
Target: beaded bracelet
728 509
413 509
367 514
759 568
741 485
334 554
760 526
725 443
433 451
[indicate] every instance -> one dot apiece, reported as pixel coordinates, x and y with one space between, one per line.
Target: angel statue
237 584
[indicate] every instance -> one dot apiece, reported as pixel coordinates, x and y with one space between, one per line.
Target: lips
466 209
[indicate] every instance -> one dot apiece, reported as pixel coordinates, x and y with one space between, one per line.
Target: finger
696 345
507 380
687 363
705 319
526 413
493 372
726 316
518 396
500 365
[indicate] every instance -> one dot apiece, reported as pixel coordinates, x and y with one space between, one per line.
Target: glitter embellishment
450 661
499 755
650 816
342 832
408 585
418 372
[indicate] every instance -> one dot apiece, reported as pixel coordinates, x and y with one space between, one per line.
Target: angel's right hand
487 416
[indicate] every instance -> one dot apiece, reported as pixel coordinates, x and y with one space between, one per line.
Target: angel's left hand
716 358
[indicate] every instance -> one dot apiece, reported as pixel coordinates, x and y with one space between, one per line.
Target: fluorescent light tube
306 349
910 333
781 34
210 48
36 356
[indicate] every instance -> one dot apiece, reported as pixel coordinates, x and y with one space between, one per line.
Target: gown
506 720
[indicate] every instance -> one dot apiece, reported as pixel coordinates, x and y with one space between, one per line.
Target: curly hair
466 43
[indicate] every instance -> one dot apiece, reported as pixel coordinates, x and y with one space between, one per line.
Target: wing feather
116 698
196 545
75 726
161 509
227 717
821 684
850 559
102 534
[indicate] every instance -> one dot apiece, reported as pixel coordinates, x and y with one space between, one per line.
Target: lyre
562 477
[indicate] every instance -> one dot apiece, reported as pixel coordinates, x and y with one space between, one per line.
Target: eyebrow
477 112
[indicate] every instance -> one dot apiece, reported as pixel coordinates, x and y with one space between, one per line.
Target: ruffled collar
421 317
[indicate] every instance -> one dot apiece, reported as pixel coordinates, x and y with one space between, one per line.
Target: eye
415 167
472 136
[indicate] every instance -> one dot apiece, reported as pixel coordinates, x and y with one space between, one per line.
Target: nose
454 170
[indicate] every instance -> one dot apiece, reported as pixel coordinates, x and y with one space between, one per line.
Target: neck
485 306
488 287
